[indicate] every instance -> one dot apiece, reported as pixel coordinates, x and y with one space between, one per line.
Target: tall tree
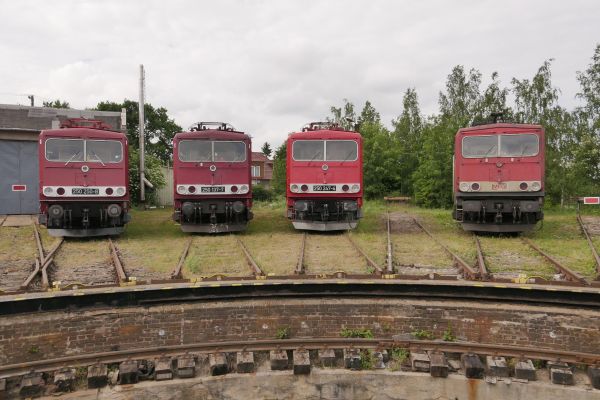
344 116
279 182
159 127
589 81
266 149
408 129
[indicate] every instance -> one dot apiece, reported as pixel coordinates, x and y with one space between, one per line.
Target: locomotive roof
212 134
325 134
502 125
83 132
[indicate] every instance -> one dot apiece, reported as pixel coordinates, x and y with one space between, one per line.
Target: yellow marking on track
19 298
258 283
166 287
525 287
577 290
236 284
500 286
78 293
478 284
369 281
551 289
215 285
298 283
342 282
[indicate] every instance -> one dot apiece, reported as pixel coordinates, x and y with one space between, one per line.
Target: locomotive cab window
341 150
103 151
308 150
479 146
195 150
229 151
523 145
64 150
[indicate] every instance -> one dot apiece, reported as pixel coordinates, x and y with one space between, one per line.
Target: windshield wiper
489 150
99 159
72 157
348 156
524 148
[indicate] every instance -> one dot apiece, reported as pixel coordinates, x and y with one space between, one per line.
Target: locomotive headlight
294 188
191 189
181 189
475 186
523 186
350 206
55 211
60 191
48 191
187 209
120 191
238 207
355 188
535 186
304 188
114 210
109 191
345 188
234 189
244 189
464 186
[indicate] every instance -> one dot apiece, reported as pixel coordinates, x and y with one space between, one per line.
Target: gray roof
15 117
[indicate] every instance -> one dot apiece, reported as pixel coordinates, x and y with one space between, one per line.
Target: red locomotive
84 179
324 178
499 177
212 183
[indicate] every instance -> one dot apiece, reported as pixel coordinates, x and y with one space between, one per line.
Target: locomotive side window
341 150
64 150
480 146
229 151
195 150
103 151
308 150
524 145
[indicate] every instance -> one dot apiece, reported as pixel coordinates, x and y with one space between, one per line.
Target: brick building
19 130
262 169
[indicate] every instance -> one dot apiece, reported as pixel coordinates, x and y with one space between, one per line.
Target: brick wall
55 334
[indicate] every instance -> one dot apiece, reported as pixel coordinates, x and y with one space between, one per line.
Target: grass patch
357 333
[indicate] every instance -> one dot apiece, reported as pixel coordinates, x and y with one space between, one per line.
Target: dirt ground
592 223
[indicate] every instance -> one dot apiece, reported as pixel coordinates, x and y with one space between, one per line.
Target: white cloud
270 66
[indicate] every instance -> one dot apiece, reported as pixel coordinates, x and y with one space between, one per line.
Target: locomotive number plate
499 186
324 188
212 189
85 191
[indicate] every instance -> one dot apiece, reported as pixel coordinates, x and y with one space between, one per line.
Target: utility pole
30 97
141 126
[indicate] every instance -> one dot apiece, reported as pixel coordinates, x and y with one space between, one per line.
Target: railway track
591 245
45 263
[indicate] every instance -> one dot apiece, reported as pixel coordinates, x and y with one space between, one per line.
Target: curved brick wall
55 334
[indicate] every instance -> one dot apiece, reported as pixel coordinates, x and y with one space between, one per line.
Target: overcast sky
268 67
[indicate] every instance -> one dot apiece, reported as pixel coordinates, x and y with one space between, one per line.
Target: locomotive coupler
213 213
85 221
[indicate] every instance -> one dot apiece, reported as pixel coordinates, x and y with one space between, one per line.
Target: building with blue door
19 130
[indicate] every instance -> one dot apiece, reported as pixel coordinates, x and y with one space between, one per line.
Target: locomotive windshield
517 145
206 151
79 150
325 150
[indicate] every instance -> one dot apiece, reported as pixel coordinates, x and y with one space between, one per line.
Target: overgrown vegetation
357 333
448 335
283 333
422 334
398 356
367 359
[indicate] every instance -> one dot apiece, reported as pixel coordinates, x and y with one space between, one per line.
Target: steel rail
591 244
370 262
299 343
177 274
251 263
300 267
38 242
569 273
33 274
121 275
466 269
390 255
483 271
2 219
48 261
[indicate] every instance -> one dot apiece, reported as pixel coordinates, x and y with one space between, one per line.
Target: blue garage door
18 177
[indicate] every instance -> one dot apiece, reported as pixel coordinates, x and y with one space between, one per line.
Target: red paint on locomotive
84 180
324 178
211 178
498 179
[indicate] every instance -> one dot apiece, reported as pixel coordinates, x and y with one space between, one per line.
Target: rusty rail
300 267
569 273
483 271
389 259
370 261
466 269
121 276
38 242
307 344
176 274
591 244
41 265
251 263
